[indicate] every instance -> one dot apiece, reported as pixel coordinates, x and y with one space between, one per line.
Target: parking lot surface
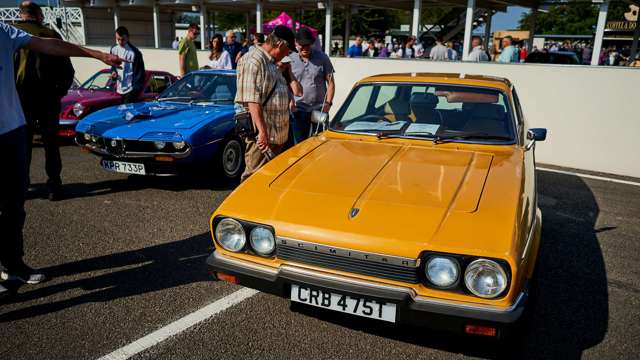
126 256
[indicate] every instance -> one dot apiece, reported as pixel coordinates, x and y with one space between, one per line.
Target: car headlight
159 144
485 278
87 136
179 145
230 235
262 240
442 271
78 109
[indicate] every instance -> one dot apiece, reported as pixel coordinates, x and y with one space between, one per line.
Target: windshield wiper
188 98
441 139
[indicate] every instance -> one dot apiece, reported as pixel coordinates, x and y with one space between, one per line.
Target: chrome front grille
357 262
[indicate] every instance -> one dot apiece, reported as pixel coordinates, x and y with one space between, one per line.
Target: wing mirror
536 134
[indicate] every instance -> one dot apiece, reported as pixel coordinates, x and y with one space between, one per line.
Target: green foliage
574 18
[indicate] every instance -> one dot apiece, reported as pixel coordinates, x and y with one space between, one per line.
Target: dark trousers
44 117
300 126
13 147
132 96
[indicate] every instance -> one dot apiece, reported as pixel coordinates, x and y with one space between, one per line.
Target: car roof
442 78
215 71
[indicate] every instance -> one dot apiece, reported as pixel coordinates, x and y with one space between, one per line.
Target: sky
505 20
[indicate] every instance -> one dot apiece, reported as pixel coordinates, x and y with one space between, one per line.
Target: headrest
494 111
424 100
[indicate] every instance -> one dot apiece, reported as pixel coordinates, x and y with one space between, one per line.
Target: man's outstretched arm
57 47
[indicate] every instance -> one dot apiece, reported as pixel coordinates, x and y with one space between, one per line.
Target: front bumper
411 308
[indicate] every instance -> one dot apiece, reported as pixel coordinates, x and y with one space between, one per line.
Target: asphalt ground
126 256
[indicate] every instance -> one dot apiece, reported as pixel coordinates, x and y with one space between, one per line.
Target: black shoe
24 274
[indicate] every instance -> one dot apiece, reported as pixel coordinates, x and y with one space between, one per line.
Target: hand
326 107
262 140
112 60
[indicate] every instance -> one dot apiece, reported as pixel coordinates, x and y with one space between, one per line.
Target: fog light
114 143
481 330
179 145
159 144
228 278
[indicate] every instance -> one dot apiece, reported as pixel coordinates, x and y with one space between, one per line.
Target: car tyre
231 158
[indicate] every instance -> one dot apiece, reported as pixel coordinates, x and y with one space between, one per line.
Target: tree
572 18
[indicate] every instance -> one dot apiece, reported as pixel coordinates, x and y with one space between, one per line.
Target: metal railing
71 21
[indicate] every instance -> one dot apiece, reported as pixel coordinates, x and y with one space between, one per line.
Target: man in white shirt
477 53
131 76
439 51
13 147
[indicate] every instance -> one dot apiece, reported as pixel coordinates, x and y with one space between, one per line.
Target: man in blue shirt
232 47
355 50
509 53
13 147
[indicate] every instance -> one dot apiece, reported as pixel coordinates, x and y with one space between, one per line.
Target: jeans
300 126
13 187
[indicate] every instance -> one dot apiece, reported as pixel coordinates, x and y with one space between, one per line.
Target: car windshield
202 88
99 81
430 111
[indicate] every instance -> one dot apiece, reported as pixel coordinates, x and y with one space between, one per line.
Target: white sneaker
25 275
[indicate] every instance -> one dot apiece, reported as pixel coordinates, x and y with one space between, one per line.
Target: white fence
72 21
592 113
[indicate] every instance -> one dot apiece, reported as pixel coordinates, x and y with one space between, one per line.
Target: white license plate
343 303
123 167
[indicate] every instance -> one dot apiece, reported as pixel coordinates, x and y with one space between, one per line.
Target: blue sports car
191 124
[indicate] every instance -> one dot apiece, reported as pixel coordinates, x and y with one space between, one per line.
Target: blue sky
505 20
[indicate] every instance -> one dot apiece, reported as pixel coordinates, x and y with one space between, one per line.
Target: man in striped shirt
264 91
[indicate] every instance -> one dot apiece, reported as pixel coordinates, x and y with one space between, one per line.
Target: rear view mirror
537 134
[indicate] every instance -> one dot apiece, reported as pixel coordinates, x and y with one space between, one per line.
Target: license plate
343 303
123 167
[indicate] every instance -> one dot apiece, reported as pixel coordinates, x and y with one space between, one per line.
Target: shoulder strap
273 89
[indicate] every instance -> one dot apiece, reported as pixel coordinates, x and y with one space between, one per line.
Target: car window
431 108
203 87
99 81
158 84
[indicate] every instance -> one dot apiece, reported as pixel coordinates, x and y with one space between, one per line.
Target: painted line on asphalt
180 325
603 178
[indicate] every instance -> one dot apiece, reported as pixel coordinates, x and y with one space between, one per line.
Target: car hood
132 121
366 195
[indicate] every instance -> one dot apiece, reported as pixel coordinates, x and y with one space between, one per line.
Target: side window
157 84
521 126
359 103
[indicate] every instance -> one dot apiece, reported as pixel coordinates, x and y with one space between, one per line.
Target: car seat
397 109
423 108
485 118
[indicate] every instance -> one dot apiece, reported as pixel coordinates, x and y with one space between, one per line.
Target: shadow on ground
570 312
142 271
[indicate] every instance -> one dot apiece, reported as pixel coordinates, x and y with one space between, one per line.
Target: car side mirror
535 134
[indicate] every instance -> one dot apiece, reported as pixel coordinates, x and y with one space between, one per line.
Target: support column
259 16
532 28
415 23
328 18
487 30
468 29
203 26
247 25
116 16
347 28
597 42
156 25
634 44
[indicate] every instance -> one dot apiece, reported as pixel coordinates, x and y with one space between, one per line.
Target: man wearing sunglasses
188 55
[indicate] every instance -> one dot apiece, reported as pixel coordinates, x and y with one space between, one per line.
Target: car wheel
232 158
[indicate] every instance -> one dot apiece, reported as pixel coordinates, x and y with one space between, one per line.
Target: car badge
354 212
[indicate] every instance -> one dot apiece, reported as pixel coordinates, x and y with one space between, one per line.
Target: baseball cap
286 34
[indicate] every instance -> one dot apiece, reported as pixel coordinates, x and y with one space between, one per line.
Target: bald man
232 47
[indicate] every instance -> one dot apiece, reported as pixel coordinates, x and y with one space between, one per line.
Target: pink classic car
99 92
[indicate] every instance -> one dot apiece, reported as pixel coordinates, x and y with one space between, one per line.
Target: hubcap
231 158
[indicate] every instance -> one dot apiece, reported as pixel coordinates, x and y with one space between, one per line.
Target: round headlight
485 278
78 109
262 240
179 145
87 136
230 235
114 143
442 272
159 144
